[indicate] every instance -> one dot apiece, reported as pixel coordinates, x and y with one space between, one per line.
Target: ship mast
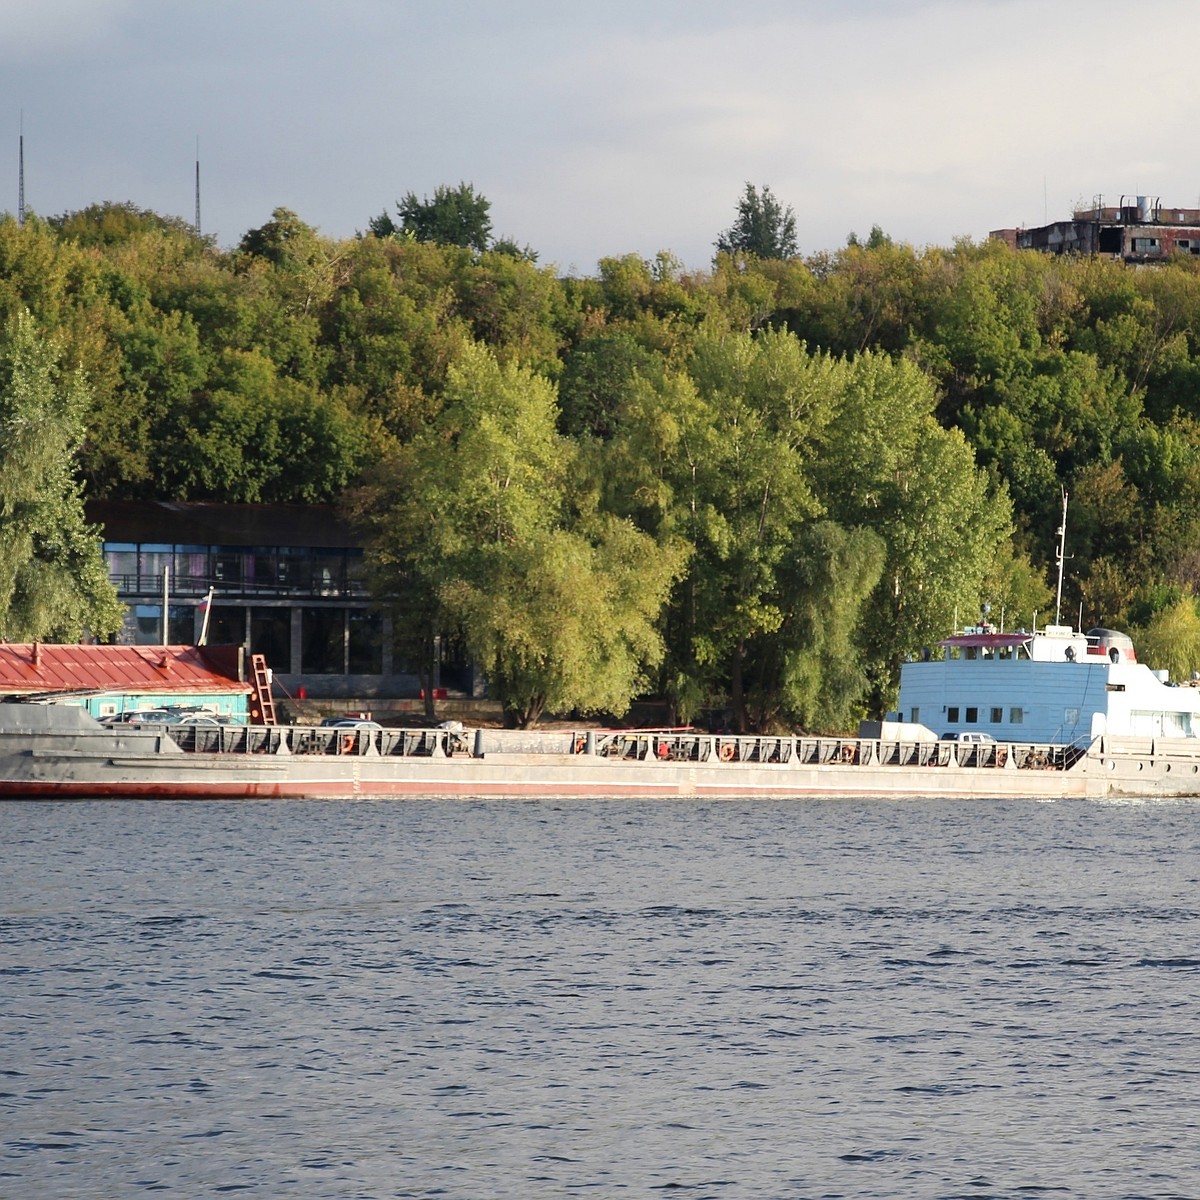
1060 557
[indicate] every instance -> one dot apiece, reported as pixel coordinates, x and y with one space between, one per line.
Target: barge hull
51 752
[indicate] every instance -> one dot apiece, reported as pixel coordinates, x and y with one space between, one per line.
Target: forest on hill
759 485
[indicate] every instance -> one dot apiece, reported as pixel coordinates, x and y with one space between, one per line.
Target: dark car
137 716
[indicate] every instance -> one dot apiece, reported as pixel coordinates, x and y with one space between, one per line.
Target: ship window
952 715
997 716
972 715
1016 716
971 652
1070 716
916 716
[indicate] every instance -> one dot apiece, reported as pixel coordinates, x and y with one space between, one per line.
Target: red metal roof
991 639
26 668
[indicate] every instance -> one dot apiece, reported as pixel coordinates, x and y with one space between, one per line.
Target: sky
603 129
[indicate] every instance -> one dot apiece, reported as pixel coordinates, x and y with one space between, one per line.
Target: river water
579 998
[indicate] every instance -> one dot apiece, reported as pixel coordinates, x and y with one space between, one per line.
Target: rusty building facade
1140 230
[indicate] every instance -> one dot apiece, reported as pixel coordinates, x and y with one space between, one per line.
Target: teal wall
229 704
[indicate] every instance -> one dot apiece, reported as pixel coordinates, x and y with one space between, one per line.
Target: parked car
349 723
137 716
970 737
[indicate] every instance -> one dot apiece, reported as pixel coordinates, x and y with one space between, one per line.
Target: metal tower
21 173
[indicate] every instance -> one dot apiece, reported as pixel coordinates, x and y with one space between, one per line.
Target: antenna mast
1060 556
21 172
197 187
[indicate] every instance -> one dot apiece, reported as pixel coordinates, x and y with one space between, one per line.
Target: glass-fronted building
286 582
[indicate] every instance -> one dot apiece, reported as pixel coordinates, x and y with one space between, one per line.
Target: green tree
597 378
53 583
251 436
479 519
109 223
456 216
812 673
763 227
718 456
1171 641
885 464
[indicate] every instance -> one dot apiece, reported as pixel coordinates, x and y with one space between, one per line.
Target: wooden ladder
262 706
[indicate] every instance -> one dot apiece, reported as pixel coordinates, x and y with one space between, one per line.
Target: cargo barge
51 751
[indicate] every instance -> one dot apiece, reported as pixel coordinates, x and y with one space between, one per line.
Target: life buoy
347 743
726 752
663 751
580 744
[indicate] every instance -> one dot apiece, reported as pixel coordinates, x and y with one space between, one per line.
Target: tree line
756 487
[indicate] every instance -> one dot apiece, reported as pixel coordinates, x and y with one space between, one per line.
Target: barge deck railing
624 745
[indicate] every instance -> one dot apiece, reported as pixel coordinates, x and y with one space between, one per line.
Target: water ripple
559 998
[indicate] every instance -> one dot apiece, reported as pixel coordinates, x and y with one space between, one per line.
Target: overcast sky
604 128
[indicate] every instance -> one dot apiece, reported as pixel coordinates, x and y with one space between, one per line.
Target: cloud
594 130
58 26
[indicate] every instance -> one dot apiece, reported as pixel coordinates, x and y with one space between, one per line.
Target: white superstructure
1056 685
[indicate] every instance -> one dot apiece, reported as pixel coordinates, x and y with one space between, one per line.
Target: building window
323 641
997 716
148 630
365 643
972 715
952 715
191 569
227 565
121 558
226 625
1016 716
153 561
328 576
271 636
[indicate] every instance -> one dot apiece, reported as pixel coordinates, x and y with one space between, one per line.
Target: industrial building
1139 230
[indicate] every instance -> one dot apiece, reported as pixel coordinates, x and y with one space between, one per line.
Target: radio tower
197 187
21 172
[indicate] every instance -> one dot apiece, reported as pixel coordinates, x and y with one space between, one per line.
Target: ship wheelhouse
1056 685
